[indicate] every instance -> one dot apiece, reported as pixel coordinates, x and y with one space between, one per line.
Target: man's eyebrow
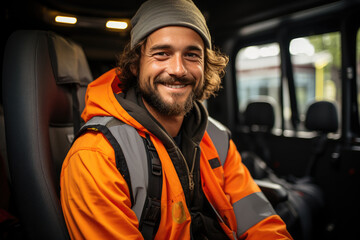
194 48
160 46
167 46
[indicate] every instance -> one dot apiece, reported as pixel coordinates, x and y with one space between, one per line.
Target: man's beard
154 99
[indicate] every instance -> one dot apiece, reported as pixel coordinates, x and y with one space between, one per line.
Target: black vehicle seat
321 117
44 77
260 120
301 208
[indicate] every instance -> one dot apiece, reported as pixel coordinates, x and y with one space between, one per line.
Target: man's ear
134 70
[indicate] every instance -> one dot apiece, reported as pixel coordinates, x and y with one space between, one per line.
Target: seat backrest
260 114
43 76
321 116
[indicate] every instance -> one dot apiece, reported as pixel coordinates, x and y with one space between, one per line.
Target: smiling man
171 74
148 163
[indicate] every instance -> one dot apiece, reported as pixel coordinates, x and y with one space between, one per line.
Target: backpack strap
150 218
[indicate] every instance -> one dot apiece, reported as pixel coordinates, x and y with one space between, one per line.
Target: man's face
171 70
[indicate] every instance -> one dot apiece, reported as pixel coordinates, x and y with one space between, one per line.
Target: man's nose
177 67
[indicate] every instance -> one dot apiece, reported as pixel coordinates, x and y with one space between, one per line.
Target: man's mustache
174 80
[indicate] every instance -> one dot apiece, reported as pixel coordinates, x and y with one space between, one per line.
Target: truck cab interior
290 96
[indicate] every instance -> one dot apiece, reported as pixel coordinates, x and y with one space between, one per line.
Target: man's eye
160 54
193 55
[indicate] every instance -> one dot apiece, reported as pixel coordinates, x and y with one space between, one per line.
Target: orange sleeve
240 184
94 196
238 181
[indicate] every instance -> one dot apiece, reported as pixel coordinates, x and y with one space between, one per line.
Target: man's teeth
175 86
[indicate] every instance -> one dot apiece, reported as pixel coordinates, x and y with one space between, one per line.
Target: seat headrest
260 113
322 116
68 61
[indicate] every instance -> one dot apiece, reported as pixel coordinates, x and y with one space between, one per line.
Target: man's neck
172 124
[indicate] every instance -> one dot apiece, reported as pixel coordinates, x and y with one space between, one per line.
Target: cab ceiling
219 13
224 15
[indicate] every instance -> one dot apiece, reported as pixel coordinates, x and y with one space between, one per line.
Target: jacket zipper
190 172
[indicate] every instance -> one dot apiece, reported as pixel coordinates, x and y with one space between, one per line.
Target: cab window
316 62
258 74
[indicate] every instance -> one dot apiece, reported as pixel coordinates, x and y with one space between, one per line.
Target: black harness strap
150 218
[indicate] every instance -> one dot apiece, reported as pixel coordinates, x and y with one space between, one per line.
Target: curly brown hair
215 63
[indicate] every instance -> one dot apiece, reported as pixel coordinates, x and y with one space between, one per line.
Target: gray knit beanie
155 14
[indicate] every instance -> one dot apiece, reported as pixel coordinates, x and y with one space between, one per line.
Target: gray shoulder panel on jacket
220 136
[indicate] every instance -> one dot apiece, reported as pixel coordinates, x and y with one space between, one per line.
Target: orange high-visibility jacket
95 197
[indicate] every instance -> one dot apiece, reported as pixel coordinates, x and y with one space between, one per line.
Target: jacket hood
105 98
100 100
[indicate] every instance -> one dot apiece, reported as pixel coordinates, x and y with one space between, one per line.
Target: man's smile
175 86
